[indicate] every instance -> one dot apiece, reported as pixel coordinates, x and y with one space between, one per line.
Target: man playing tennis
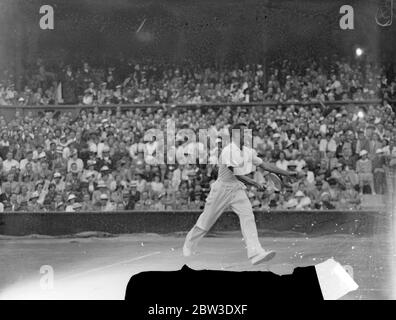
228 191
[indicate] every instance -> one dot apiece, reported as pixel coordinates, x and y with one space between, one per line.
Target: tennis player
229 191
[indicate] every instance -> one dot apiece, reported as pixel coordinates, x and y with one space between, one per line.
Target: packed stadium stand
327 119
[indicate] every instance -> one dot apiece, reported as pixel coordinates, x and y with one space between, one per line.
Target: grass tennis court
100 267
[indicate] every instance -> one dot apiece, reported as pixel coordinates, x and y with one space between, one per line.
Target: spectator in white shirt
141 183
157 186
74 159
282 163
303 201
332 145
38 153
9 163
28 159
70 203
299 162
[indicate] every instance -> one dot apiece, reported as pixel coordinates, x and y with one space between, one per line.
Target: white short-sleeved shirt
8 164
231 156
250 161
242 162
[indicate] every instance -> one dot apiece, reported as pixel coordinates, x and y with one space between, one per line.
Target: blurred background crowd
321 79
95 160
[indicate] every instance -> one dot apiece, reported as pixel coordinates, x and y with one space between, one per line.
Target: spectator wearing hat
101 188
90 174
290 152
58 182
290 204
104 158
71 200
77 207
364 169
106 176
325 203
33 204
104 204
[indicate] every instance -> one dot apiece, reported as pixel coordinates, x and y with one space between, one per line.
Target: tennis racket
274 182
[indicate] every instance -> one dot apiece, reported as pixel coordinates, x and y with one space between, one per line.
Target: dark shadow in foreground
154 291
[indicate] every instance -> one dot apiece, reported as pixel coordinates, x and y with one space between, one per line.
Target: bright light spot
359 52
360 114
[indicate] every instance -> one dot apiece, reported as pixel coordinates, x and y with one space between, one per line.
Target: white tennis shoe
263 256
188 252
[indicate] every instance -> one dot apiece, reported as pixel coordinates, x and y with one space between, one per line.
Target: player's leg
216 202
242 207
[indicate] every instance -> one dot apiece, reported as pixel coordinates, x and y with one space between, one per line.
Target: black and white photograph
234 136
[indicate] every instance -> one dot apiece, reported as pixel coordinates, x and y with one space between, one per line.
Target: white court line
109 266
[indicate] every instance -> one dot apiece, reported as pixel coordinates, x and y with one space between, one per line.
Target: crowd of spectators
324 79
94 160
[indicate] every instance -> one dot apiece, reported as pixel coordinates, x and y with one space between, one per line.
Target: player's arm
246 180
274 169
258 162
